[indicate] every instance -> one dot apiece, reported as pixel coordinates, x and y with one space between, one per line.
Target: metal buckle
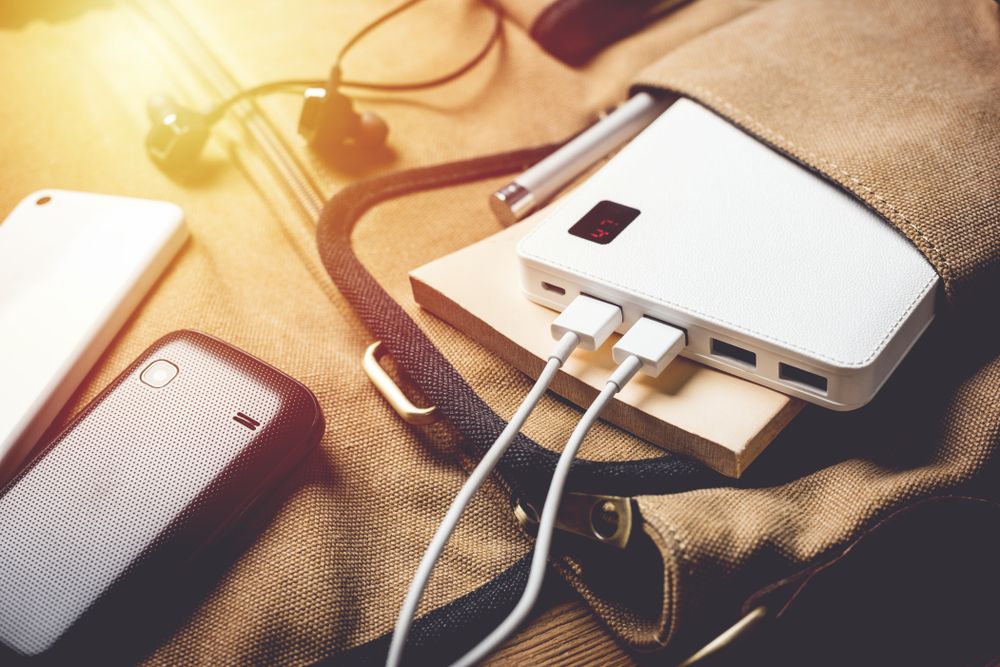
605 519
391 392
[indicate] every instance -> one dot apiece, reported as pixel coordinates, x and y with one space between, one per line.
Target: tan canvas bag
893 100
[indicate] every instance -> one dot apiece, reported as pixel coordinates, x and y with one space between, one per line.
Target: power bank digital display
777 275
603 223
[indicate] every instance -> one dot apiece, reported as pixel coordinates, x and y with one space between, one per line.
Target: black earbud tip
177 134
373 131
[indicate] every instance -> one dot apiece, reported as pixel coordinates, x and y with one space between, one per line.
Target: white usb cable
649 345
586 323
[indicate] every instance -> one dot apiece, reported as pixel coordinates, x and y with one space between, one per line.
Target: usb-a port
732 352
802 377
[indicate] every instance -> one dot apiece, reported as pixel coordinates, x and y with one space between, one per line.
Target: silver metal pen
537 185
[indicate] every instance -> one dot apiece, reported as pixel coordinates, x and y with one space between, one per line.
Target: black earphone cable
359 35
297 84
428 83
284 85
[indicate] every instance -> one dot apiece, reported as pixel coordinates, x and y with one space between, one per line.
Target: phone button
159 373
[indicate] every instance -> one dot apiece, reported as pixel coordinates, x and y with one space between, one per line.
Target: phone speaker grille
246 420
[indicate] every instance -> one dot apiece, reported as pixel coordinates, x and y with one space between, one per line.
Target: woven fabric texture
328 574
326 577
896 102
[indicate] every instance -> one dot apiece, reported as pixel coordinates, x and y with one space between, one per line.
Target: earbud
329 122
177 134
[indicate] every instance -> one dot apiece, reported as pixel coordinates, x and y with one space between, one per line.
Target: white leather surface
742 238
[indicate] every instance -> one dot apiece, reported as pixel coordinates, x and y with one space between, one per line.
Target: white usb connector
648 345
653 343
587 322
592 320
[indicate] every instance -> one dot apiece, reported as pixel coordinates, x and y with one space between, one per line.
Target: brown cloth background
330 572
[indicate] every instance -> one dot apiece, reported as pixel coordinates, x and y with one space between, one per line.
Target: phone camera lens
159 373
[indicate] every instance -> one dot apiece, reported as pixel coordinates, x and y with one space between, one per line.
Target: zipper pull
605 519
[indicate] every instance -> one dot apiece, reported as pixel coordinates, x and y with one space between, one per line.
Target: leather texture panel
737 236
894 100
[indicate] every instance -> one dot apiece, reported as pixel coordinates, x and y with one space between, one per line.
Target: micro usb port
549 287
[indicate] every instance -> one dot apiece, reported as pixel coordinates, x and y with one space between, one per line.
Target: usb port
802 377
733 353
549 287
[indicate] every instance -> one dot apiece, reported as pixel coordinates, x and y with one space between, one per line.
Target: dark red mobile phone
150 475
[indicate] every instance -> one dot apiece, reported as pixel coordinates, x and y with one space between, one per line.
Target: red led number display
603 223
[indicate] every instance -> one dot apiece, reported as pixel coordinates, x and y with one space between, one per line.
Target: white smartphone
777 275
73 266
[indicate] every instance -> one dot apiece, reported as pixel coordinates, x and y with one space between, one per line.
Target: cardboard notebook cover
721 420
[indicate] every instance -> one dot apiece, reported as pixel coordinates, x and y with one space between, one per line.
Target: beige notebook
691 409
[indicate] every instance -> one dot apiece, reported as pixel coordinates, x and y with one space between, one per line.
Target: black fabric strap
444 635
527 466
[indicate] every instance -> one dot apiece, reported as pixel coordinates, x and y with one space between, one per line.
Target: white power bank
777 276
73 266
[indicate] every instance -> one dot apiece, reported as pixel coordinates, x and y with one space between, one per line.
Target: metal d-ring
391 391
